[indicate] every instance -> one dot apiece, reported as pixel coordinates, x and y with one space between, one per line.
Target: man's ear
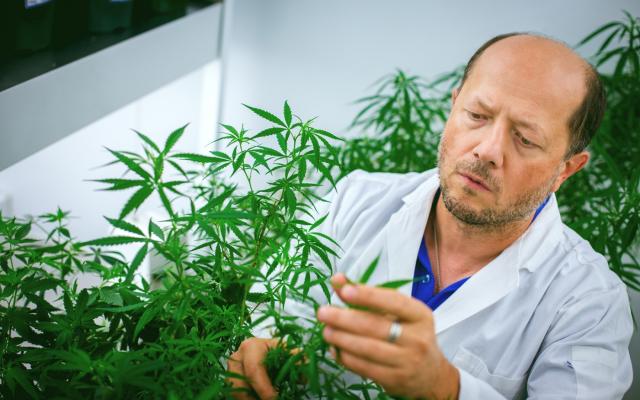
570 167
454 95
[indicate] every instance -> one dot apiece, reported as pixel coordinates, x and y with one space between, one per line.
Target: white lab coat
546 319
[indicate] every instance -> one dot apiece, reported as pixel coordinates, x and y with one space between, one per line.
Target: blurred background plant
603 203
401 122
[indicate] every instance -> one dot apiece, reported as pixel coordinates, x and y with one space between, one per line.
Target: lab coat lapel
481 290
405 230
502 275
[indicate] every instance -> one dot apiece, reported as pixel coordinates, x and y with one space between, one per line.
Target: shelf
45 109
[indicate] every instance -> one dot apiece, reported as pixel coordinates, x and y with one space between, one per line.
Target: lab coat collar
493 282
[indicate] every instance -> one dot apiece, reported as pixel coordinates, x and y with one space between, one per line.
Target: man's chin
468 208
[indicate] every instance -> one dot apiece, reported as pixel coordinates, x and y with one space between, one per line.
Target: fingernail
323 312
327 331
349 291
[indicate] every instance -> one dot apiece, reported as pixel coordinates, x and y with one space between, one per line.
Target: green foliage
235 253
603 203
401 122
120 338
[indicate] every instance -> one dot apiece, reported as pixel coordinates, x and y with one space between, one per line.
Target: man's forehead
544 81
529 57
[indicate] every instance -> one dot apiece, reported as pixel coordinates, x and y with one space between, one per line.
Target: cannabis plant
603 202
220 241
235 253
401 122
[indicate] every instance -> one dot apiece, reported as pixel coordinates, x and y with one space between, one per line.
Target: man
513 301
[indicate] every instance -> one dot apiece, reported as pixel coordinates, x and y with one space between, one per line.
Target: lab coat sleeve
304 310
585 354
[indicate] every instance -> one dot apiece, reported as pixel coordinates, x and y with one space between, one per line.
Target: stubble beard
489 219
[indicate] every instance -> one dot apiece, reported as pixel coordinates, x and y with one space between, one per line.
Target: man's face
502 150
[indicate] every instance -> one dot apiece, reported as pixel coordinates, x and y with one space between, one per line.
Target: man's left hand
413 365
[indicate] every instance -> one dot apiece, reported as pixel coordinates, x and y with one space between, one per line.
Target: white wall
57 175
322 55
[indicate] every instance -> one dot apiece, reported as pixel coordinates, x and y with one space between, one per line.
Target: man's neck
464 249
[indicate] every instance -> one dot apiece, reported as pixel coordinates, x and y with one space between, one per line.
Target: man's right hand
248 361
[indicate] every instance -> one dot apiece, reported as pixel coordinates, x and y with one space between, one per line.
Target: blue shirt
423 288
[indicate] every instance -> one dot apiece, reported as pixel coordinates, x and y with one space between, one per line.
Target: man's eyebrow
482 104
529 125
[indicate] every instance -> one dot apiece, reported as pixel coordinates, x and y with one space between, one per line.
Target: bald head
553 64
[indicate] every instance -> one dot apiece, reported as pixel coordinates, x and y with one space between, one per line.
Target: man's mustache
481 170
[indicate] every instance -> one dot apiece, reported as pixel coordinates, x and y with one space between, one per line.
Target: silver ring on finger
395 330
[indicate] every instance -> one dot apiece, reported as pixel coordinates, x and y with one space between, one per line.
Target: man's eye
475 116
524 140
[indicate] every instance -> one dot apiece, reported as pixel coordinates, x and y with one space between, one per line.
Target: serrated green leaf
369 271
148 140
121 184
282 142
136 262
327 134
114 241
396 284
199 158
287 113
266 115
131 164
166 203
173 139
318 222
158 167
111 297
23 231
302 169
136 200
147 316
268 132
155 229
231 129
125 226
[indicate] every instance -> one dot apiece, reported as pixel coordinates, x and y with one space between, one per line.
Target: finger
367 369
373 350
385 300
358 322
234 366
256 372
339 280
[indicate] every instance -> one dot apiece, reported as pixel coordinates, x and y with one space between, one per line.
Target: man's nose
492 144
